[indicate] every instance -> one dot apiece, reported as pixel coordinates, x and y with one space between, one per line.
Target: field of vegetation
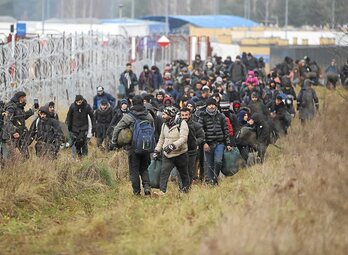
295 203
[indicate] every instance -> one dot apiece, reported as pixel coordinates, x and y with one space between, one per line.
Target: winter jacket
262 129
177 135
46 131
157 80
146 81
258 107
106 96
307 101
238 72
215 128
103 120
128 120
129 83
77 117
282 119
197 132
16 116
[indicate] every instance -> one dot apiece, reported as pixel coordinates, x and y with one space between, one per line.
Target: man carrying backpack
173 142
141 123
195 138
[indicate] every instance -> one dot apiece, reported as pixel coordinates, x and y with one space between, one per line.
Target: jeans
213 162
180 162
138 164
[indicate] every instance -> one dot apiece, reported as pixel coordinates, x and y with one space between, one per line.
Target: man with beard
195 139
138 162
77 121
173 142
47 134
129 80
216 139
15 117
103 118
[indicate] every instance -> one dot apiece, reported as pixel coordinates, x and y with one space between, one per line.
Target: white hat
100 89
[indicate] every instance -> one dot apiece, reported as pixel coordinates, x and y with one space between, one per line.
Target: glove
156 155
169 148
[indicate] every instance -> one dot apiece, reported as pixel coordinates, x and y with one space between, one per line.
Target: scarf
211 113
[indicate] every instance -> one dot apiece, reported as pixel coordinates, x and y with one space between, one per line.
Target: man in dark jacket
157 79
52 110
281 117
256 105
253 63
216 138
195 139
47 134
119 112
102 95
103 118
138 163
15 118
128 79
146 80
262 129
238 71
79 116
307 101
198 63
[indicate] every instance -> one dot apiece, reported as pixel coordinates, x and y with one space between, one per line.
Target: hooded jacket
128 120
77 117
16 115
262 128
47 131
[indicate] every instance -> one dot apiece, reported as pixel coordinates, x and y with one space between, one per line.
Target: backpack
143 140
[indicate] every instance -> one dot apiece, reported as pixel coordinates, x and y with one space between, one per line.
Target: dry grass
304 210
295 203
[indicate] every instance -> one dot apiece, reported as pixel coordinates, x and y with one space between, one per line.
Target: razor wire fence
60 66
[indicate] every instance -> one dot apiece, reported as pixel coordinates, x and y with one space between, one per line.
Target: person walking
137 120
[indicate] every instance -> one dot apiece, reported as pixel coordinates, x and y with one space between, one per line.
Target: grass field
295 203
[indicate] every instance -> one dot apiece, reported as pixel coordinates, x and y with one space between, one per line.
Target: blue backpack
143 140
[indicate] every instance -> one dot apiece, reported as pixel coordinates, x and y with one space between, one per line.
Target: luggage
155 173
124 137
247 136
232 162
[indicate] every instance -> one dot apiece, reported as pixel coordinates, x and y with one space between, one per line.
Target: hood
257 117
99 108
306 84
140 111
17 95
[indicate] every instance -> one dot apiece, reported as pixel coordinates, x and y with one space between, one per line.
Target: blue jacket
157 80
106 96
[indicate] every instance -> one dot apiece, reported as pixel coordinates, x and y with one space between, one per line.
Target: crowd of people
185 117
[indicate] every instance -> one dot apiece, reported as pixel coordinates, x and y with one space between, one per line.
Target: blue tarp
205 21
